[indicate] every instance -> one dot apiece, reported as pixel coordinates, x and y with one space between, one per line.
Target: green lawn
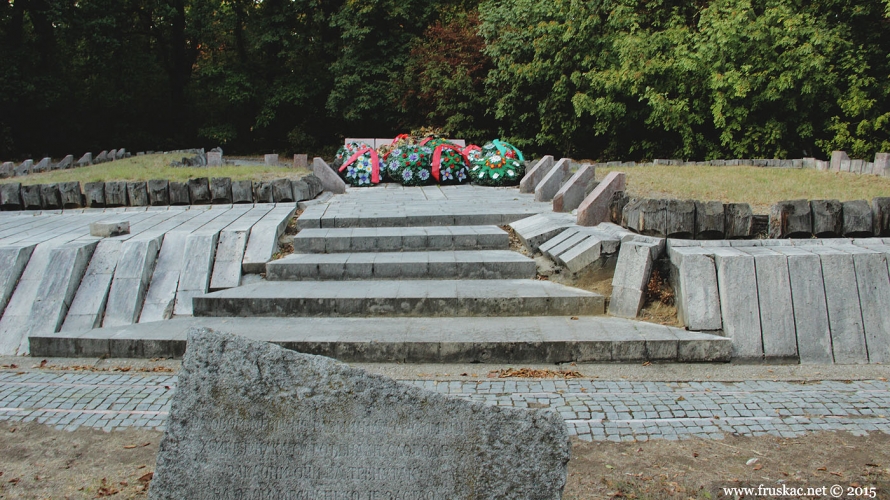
156 166
759 186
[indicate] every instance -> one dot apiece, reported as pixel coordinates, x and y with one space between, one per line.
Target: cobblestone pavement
593 409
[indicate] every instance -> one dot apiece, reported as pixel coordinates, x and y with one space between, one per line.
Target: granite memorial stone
94 192
179 193
11 196
253 420
116 194
220 190
157 192
242 191
72 197
199 191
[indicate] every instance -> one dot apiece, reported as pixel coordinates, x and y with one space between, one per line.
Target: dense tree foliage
605 79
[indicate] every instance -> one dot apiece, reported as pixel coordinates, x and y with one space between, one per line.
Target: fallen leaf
146 477
42 363
124 484
821 468
609 466
464 374
574 317
694 454
145 444
647 363
14 480
758 466
681 398
838 474
873 465
751 461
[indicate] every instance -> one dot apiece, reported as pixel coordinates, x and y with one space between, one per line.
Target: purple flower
461 175
363 179
394 165
407 174
446 174
424 175
413 157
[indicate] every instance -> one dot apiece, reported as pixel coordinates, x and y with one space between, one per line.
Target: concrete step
460 264
394 239
410 298
536 339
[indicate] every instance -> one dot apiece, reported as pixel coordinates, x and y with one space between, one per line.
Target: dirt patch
700 468
42 462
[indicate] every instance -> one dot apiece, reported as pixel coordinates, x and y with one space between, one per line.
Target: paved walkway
593 410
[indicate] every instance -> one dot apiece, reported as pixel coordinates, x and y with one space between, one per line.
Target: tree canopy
601 79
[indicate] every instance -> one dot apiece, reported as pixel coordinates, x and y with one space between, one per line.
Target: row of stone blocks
201 191
840 162
400 239
9 169
439 264
688 219
830 218
816 301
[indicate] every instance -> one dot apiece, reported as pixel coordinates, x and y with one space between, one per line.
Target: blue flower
350 171
363 179
407 174
424 175
394 165
396 152
461 175
413 157
446 174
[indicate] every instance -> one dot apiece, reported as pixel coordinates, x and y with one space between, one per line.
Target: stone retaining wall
158 192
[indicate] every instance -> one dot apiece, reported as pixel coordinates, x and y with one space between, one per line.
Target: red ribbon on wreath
375 163
437 156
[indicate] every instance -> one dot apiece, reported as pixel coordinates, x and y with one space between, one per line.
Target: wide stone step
394 239
536 339
437 298
461 264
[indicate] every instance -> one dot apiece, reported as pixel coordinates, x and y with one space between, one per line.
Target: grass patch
760 187
156 166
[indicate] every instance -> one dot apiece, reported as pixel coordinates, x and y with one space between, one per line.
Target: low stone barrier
157 192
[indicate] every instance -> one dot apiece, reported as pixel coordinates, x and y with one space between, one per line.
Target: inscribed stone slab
253 420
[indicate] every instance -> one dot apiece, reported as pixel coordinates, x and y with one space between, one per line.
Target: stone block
300 189
199 191
158 196
857 166
41 166
679 219
596 206
774 299
572 193
221 190
882 164
858 220
116 194
874 299
112 155
552 181
179 193
301 161
52 199
102 157
7 170
31 197
632 273
315 185
11 196
828 220
242 191
24 168
739 304
271 159
810 310
108 229
282 192
844 310
85 160
837 157
66 163
131 280
262 192
646 216
72 196
94 192
459 449
738 220
709 220
534 175
880 208
137 192
330 180
791 219
694 277
214 159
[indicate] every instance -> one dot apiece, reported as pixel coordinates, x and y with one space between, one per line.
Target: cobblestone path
592 409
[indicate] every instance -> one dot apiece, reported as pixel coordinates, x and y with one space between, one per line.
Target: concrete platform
412 340
449 264
409 298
